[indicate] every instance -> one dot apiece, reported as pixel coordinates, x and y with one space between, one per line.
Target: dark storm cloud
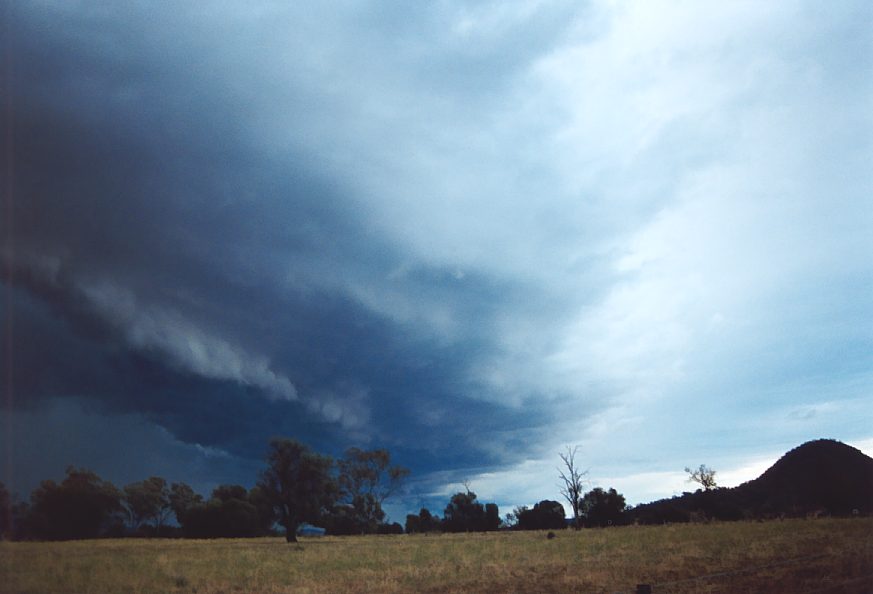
166 265
470 232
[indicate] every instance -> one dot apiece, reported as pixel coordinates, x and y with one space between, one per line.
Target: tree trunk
290 533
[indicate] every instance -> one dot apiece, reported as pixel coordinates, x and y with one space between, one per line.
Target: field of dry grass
797 556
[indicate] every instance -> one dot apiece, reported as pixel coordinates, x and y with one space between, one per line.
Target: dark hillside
821 476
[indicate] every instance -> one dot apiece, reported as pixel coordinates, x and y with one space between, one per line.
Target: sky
472 233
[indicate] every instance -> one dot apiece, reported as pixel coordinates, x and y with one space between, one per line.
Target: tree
465 514
413 524
298 483
266 516
148 500
393 528
492 517
545 515
603 508
510 520
182 500
703 475
5 512
572 482
429 523
81 506
366 480
228 492
341 519
20 527
231 512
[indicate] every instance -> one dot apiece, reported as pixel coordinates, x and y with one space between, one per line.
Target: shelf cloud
469 233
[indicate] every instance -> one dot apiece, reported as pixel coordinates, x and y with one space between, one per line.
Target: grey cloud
489 226
184 344
121 448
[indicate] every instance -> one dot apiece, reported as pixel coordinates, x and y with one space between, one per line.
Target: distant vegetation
346 496
297 486
822 477
545 515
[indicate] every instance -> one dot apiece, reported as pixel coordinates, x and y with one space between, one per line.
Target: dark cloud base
137 180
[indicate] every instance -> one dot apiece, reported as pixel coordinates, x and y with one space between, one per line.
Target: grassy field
798 556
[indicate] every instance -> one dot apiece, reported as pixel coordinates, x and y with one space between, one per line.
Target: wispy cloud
183 344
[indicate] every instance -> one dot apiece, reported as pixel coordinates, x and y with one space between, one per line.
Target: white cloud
347 405
700 115
186 346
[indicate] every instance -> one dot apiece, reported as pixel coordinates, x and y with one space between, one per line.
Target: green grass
609 560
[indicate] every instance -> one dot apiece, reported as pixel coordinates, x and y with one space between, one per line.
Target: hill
823 476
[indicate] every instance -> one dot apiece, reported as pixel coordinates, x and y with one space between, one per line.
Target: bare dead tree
703 475
573 482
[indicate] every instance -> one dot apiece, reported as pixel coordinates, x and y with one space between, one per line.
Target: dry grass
834 552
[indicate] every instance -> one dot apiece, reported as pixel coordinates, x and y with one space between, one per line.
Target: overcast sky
472 233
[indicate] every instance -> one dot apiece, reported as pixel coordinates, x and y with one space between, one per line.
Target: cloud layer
469 233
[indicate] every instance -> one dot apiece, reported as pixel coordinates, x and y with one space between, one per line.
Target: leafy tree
492 517
81 506
5 512
429 522
148 501
703 475
514 519
465 514
572 482
298 483
266 516
366 480
368 514
413 524
20 528
545 515
182 499
230 512
393 528
603 508
340 519
424 521
228 492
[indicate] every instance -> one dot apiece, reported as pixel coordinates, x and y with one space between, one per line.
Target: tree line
298 486
464 513
597 508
